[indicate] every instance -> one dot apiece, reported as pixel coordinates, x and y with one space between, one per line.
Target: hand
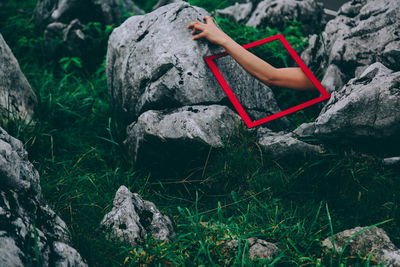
209 30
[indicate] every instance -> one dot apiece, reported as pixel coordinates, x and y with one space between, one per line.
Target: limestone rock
183 130
131 218
276 13
104 11
373 240
285 146
365 31
366 107
24 214
17 99
239 12
153 64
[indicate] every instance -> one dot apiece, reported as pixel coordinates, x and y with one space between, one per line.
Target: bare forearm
284 77
250 62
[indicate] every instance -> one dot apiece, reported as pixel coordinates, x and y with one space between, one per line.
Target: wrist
226 42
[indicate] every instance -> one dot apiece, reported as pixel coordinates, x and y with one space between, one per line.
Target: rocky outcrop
277 13
148 69
131 218
159 81
104 11
27 224
67 28
363 241
365 31
365 108
17 99
182 131
239 12
285 146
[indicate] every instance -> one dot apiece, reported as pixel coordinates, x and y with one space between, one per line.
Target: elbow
270 78
268 81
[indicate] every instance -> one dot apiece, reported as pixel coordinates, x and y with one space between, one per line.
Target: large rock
65 32
131 218
27 223
239 12
285 146
181 132
365 31
17 99
366 107
153 64
276 13
373 240
104 11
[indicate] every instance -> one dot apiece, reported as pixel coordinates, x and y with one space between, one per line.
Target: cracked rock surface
24 214
17 99
155 72
365 31
373 240
131 218
105 11
64 22
153 63
366 107
187 129
285 146
277 13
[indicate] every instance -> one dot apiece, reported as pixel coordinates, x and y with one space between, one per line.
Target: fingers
201 35
195 23
197 26
209 20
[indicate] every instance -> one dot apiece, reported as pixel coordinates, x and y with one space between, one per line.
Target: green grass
236 192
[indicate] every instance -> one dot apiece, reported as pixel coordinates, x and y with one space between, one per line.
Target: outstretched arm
293 78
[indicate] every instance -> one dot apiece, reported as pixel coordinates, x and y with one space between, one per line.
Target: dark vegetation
76 144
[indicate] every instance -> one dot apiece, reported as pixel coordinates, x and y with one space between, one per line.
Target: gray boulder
24 214
366 107
17 99
373 240
239 12
181 131
131 218
276 13
365 31
258 248
153 64
105 11
285 146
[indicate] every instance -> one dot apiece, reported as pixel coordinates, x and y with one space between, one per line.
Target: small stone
131 218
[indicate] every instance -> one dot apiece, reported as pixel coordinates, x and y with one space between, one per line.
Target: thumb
209 20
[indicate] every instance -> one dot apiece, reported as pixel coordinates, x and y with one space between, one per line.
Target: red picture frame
324 94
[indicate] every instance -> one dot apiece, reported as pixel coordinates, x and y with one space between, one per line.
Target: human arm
293 78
